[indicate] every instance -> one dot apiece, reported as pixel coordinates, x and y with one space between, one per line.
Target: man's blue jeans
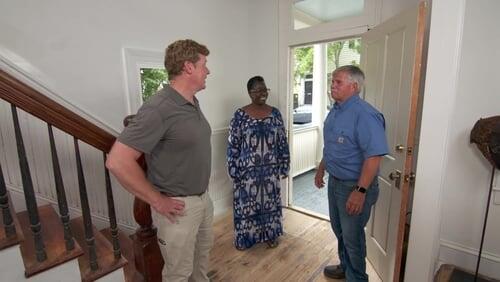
349 229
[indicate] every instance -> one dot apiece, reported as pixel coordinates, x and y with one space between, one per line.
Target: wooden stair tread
53 238
104 250
10 241
127 250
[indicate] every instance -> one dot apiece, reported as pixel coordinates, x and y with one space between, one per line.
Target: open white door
391 59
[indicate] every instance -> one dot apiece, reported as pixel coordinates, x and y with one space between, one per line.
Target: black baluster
61 194
111 213
29 192
87 221
8 222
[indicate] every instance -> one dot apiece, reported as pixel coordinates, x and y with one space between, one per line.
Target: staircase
51 245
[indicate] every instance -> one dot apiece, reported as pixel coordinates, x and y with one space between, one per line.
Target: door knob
396 177
399 148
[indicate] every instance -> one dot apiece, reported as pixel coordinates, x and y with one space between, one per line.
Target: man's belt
172 195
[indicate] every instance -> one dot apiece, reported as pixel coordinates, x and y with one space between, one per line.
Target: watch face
361 189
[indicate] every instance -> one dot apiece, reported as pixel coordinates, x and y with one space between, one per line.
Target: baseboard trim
466 257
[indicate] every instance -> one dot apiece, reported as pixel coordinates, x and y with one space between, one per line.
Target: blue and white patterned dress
257 157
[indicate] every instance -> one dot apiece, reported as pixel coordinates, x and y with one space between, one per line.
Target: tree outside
343 52
151 81
338 53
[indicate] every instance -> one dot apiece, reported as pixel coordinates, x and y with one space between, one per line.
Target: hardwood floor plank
307 246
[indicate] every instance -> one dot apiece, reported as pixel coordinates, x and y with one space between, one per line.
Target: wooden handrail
148 259
29 100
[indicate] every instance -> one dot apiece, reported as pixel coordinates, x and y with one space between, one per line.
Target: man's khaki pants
186 243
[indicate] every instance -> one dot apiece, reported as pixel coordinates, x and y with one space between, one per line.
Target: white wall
75 50
467 172
76 46
452 177
262 54
390 8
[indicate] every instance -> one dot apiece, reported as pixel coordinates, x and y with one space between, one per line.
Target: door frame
442 73
289 38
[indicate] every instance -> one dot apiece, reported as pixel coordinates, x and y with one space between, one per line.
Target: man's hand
318 178
171 208
355 203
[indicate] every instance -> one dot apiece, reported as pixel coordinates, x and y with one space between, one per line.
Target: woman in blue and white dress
258 157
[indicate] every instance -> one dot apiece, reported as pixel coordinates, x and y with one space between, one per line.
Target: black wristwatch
360 189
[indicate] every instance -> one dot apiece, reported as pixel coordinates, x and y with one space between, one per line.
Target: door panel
390 52
381 215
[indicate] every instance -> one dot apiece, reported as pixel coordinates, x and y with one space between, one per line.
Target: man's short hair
181 51
355 74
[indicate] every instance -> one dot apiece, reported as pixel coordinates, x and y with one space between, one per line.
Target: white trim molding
466 257
443 64
133 60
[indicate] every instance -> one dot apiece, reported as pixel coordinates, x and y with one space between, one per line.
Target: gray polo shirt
175 136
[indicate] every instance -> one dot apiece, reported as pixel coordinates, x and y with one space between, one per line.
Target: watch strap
360 189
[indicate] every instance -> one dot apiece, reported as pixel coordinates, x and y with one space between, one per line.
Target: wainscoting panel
220 187
304 150
35 134
8 153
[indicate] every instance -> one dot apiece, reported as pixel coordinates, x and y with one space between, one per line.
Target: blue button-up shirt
353 131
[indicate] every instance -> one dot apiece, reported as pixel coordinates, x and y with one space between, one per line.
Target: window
152 80
308 13
313 66
144 74
341 53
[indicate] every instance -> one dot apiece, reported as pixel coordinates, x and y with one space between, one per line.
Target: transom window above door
308 13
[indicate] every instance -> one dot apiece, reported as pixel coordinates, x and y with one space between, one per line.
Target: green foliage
151 80
334 49
355 45
303 62
304 56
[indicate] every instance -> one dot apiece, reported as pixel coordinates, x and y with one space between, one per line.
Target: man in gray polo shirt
173 134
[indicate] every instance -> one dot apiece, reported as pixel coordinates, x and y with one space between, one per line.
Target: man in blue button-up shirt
354 143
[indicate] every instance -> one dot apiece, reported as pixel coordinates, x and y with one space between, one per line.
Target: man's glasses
258 91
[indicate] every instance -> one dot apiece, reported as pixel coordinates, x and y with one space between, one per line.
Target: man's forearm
122 162
132 178
369 171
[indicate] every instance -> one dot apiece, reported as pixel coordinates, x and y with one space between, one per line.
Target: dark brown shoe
334 271
273 243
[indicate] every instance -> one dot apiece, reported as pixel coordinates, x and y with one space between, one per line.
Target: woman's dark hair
252 81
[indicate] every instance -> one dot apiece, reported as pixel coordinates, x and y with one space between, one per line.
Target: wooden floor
307 246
